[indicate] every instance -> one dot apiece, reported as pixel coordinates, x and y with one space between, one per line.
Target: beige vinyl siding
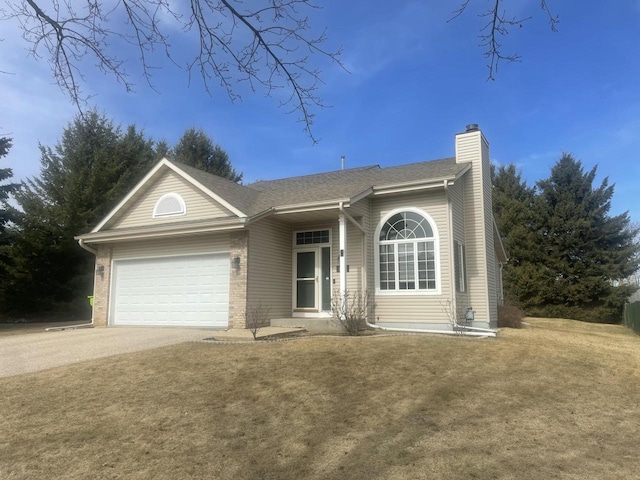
490 250
199 206
456 198
356 281
188 245
270 267
472 147
416 308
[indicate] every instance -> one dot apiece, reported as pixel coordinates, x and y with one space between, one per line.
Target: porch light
235 263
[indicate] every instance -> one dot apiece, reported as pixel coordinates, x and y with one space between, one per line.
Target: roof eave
163 230
432 183
311 206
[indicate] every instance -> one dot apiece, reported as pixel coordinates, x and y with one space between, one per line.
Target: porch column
342 230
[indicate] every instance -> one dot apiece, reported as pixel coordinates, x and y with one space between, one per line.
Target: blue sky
415 81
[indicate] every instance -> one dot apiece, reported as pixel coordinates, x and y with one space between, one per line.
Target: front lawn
559 399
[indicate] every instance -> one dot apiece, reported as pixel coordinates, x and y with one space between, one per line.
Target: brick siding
101 287
238 279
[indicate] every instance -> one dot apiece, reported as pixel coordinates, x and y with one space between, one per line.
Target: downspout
81 325
87 247
342 259
452 253
481 333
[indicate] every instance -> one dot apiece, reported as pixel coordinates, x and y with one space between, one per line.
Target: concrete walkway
33 352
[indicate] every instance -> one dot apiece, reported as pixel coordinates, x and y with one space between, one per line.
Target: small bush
352 313
510 316
256 317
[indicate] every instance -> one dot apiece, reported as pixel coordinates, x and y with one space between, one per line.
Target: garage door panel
176 291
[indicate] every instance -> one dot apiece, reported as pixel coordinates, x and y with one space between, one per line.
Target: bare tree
352 310
498 24
257 317
266 43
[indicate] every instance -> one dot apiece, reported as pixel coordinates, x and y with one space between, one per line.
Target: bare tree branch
498 25
267 44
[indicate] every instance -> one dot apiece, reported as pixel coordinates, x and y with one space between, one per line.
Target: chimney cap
472 127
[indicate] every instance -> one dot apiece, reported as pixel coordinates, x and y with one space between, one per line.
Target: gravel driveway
39 351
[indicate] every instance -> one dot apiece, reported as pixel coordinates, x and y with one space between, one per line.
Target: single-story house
187 248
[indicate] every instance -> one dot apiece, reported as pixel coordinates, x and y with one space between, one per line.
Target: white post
342 229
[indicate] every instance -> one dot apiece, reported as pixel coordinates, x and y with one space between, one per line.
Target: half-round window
407 259
168 205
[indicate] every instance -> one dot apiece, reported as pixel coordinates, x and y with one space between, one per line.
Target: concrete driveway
39 351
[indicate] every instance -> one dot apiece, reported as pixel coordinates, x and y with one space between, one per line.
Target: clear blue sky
415 81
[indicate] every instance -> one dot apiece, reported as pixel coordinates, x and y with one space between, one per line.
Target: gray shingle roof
237 195
336 185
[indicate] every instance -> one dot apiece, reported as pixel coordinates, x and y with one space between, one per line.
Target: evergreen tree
196 149
81 179
162 150
513 204
567 255
5 190
587 251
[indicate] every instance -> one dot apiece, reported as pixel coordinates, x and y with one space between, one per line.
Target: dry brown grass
557 399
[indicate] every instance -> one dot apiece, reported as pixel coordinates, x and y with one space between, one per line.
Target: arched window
407 254
169 204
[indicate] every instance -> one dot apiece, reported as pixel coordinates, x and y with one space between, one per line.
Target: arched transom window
169 204
407 253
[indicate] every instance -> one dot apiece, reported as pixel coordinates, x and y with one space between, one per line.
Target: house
187 248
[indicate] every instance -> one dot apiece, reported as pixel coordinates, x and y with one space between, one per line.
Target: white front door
312 278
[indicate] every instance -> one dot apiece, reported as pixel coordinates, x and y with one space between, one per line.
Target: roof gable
197 205
164 178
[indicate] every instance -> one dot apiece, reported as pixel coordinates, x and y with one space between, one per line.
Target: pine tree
5 190
196 149
513 203
586 251
81 179
6 217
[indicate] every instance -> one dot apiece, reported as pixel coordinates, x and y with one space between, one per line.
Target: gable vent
169 204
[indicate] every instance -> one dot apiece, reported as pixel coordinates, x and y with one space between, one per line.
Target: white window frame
436 248
460 266
175 196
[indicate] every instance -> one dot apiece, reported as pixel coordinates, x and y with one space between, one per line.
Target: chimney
471 147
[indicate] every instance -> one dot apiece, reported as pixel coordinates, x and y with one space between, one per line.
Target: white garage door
186 291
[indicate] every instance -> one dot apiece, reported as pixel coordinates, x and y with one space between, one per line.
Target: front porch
313 325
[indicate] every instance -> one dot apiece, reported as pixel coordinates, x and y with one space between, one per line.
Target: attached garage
181 291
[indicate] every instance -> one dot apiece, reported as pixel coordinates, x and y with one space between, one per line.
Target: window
310 238
460 266
407 254
169 204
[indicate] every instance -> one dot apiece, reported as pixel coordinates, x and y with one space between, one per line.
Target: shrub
592 314
510 316
256 317
353 312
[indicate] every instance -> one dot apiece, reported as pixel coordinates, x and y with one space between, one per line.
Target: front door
312 279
